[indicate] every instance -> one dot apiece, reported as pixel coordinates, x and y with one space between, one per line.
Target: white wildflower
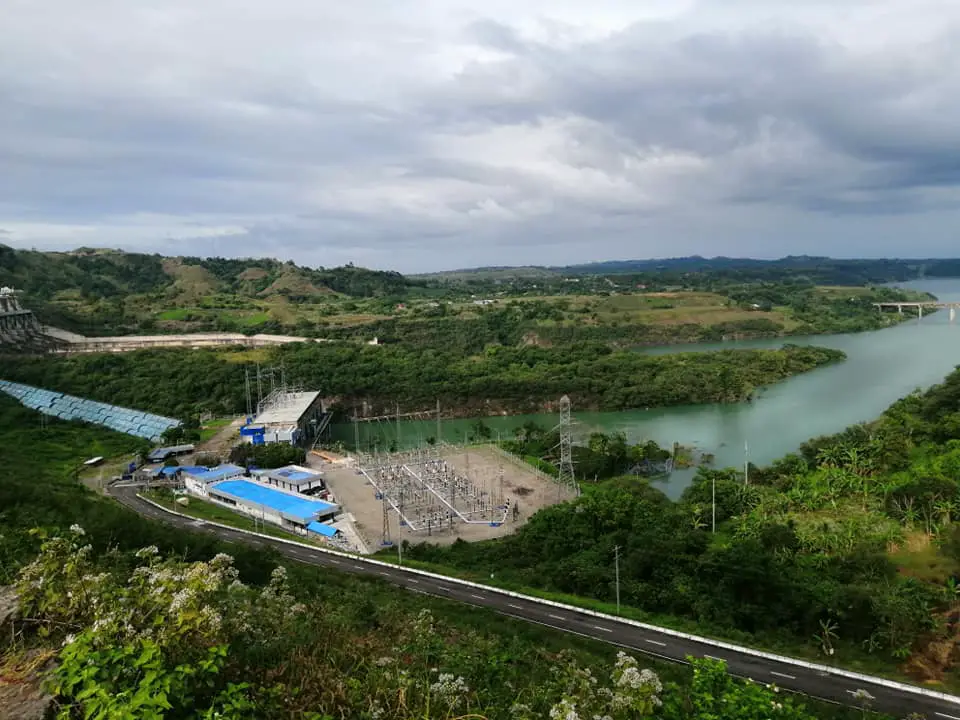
147 552
564 710
77 530
449 688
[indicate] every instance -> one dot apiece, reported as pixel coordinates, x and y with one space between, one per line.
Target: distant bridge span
935 304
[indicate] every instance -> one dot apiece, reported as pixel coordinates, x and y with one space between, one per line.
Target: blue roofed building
269 504
293 478
197 479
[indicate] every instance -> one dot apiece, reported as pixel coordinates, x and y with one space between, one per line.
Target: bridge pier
953 313
920 311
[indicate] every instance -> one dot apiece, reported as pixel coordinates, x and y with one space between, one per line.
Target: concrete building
296 418
293 478
289 510
198 479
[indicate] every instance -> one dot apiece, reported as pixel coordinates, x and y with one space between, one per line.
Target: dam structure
19 329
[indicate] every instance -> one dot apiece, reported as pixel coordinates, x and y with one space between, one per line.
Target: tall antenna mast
566 477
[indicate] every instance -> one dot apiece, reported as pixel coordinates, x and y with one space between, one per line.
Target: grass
210 429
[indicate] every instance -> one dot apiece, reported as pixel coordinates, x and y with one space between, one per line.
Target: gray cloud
481 133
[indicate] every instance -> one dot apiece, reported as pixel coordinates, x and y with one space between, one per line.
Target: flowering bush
169 639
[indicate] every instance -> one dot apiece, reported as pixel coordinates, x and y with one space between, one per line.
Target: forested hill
45 276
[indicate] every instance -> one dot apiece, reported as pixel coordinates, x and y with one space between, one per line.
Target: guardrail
849 674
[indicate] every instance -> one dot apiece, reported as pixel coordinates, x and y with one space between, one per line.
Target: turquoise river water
881 367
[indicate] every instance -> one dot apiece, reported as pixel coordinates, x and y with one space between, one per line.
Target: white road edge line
783 675
822 671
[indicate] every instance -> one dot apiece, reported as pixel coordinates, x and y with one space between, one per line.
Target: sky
441 134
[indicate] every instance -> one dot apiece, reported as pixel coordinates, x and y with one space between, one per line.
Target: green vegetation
604 456
100 292
39 488
178 384
181 630
850 548
267 456
159 638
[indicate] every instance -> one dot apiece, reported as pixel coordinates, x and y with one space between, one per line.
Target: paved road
824 686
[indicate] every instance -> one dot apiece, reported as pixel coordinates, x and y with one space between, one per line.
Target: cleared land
522 486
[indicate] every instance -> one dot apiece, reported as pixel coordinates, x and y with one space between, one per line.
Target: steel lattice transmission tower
566 477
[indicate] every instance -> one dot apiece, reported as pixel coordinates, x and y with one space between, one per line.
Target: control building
297 418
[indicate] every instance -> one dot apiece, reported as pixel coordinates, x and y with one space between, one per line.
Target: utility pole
616 566
356 434
746 463
399 551
714 498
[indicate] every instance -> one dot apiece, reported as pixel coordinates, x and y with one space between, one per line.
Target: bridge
935 304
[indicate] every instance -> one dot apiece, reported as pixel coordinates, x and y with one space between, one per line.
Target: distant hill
102 291
820 269
46 276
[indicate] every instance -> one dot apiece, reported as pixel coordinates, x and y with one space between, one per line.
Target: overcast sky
436 134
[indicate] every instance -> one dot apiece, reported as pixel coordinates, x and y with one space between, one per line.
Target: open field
482 466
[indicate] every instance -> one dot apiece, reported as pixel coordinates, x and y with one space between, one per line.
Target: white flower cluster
450 689
77 530
564 710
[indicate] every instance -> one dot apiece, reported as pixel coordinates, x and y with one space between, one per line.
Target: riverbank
850 546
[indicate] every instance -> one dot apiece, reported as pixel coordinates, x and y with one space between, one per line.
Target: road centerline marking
783 675
598 627
655 642
555 617
478 597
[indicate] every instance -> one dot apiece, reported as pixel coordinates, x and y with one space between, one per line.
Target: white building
197 479
287 417
292 478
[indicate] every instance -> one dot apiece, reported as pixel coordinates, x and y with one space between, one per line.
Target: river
881 367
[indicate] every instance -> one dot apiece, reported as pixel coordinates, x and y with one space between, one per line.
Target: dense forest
848 549
146 621
502 379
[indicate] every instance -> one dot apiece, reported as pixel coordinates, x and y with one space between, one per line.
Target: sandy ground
528 491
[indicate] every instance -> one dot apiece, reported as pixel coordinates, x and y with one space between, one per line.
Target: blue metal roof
209 475
321 529
301 508
68 407
291 474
